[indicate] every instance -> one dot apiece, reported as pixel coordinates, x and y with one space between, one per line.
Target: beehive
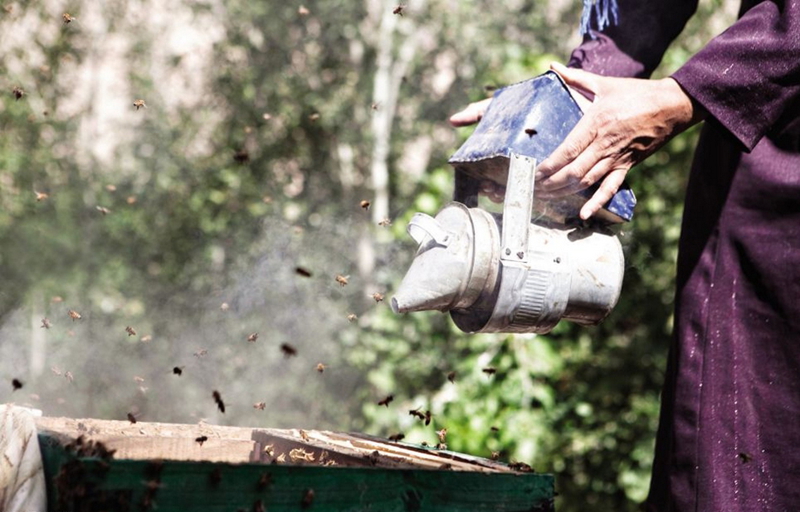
169 467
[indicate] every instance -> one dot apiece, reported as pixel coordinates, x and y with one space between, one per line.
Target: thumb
584 82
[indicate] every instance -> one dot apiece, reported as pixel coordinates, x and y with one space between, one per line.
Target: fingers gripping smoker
509 272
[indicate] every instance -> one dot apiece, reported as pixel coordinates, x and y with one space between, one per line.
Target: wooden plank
144 441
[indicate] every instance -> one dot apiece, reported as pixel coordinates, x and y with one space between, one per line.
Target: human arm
747 79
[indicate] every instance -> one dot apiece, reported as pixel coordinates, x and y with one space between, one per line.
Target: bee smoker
512 272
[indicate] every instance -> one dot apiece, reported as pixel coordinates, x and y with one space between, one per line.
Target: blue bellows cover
532 118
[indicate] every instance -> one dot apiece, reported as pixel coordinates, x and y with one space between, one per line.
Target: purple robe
729 433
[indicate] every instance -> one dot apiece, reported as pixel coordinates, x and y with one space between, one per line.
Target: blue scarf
605 12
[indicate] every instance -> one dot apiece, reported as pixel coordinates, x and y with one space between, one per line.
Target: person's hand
471 114
628 120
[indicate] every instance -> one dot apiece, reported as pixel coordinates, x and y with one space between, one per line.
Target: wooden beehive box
169 467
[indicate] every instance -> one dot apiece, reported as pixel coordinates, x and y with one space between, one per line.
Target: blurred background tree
225 205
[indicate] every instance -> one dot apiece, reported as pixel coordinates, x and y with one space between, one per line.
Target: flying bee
56 299
303 10
260 406
146 338
253 337
342 280
378 297
375 106
304 272
41 196
130 330
74 315
131 200
365 204
352 317
139 104
451 376
745 457
386 401
111 188
18 93
68 18
16 384
397 437
56 370
321 367
241 156
417 414
131 418
178 370
399 9
103 209
218 400
385 223
200 440
489 370
288 350
314 117
494 429
201 353
45 323
138 380
442 435
68 376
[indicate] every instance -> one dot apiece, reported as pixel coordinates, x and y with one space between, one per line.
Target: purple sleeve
635 46
748 77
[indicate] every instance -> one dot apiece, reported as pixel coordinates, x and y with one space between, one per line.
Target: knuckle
586 181
572 148
574 174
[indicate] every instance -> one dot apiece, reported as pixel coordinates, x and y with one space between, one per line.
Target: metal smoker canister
510 273
507 274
